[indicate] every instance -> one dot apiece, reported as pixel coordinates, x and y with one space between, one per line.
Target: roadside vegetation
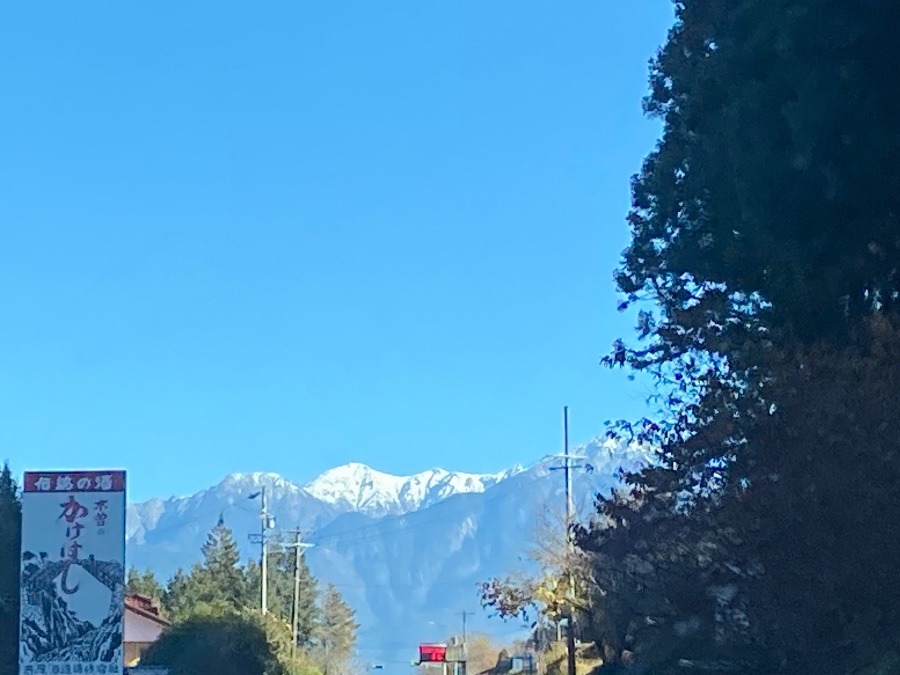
764 265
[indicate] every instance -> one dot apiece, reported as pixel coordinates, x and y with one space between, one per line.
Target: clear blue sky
281 236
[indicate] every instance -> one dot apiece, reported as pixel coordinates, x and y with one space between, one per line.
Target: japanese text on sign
77 481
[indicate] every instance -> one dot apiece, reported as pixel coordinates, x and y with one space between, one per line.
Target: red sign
74 481
432 653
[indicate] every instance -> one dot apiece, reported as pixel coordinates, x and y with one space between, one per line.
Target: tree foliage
790 566
557 581
227 643
221 572
10 545
219 582
775 179
176 599
221 593
813 523
144 583
765 254
481 653
336 634
280 577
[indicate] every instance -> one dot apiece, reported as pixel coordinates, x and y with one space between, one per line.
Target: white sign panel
73 573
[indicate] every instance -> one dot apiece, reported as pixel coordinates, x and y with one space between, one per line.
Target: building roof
145 607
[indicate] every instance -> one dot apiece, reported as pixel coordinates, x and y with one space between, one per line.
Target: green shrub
212 640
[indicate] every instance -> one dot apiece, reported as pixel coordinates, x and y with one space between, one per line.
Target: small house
143 626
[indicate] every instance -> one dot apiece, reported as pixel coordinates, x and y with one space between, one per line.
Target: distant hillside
406 552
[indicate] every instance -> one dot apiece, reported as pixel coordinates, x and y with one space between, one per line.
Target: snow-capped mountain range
405 551
357 487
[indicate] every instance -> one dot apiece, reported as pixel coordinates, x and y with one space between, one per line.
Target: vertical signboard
73 573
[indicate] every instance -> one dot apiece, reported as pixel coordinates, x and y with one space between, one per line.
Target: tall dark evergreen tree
218 584
220 552
773 192
766 250
221 566
10 544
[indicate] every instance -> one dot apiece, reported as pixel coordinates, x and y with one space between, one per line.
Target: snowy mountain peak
396 575
243 482
357 487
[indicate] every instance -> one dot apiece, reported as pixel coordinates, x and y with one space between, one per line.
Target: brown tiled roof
144 606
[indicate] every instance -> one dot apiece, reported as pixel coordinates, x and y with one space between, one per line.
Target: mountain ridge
359 487
401 559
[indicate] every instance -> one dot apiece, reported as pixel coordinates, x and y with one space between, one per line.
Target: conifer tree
221 571
280 576
10 544
144 583
175 597
765 247
219 583
337 633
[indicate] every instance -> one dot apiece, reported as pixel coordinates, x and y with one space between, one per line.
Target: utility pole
298 547
570 543
464 615
568 475
263 556
295 606
463 665
264 524
570 625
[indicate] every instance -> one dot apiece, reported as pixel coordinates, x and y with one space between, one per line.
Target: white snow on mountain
360 488
241 481
403 550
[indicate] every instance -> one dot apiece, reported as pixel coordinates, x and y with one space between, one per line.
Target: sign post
73 573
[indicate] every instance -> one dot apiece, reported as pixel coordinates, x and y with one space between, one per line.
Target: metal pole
263 555
294 613
566 471
465 613
570 624
464 664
